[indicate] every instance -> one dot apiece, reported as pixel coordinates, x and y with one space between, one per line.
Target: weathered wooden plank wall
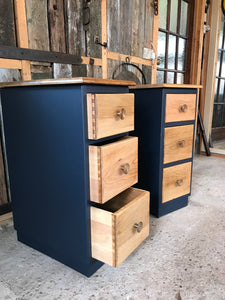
66 26
129 26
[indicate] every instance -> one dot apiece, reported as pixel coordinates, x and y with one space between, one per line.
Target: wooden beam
86 61
197 44
38 55
5 217
22 35
133 59
10 64
155 45
104 38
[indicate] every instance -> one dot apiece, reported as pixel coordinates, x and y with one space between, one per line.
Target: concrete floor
183 258
219 144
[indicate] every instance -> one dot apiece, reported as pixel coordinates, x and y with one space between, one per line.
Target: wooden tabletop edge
75 80
166 85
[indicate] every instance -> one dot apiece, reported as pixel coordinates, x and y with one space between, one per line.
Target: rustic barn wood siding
57 25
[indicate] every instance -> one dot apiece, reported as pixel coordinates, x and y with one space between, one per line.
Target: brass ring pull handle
138 226
183 108
121 114
179 182
125 168
181 143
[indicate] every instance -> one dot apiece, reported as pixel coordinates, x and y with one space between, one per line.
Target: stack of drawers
71 167
165 124
120 220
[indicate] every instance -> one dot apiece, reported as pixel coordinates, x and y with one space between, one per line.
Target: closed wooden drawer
112 168
176 181
109 114
180 107
178 143
119 226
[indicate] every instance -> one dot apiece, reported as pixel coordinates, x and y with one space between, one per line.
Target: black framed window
173 38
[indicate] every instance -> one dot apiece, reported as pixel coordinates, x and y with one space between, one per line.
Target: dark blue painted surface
47 152
149 127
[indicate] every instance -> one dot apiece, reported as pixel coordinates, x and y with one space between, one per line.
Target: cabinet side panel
46 153
148 128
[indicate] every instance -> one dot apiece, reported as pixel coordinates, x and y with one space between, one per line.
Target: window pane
223 117
216 87
173 15
162 14
171 52
221 91
183 18
181 54
180 78
218 64
170 77
160 77
223 65
217 116
161 48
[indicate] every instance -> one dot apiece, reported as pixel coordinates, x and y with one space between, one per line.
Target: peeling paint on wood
56 26
7 24
37 23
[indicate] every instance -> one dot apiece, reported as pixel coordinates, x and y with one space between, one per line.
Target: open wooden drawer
119 226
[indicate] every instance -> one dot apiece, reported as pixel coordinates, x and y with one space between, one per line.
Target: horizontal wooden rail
38 55
10 64
132 59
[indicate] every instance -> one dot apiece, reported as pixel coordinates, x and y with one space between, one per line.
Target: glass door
175 23
218 123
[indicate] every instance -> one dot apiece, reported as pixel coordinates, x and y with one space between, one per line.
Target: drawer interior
119 226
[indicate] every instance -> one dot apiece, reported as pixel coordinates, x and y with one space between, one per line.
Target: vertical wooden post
22 35
197 44
104 38
155 44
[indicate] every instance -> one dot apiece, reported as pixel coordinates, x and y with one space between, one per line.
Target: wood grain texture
7 24
174 102
113 235
102 111
37 24
155 44
10 63
22 35
76 80
171 175
6 217
105 162
3 189
104 38
166 85
178 143
197 41
56 26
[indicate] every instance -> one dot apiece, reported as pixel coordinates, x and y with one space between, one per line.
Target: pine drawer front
112 168
176 181
180 107
119 226
109 114
178 143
